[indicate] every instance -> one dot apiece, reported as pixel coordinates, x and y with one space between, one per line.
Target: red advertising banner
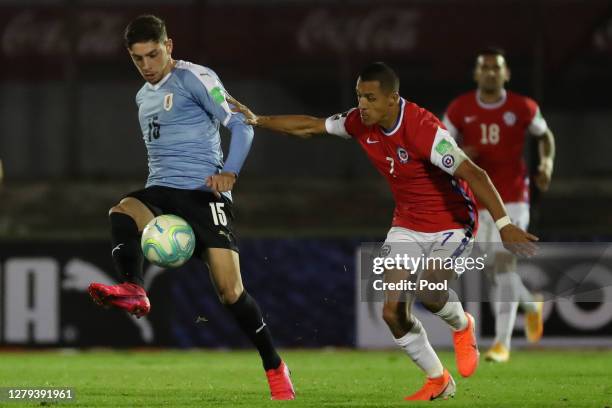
261 39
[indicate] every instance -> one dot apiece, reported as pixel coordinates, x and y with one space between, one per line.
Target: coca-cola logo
98 33
384 30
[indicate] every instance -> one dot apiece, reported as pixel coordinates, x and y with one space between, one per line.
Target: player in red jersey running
490 124
422 163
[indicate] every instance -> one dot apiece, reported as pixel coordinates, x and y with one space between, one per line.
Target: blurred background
71 147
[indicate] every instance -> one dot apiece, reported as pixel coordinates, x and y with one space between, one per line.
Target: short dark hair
145 28
491 50
381 72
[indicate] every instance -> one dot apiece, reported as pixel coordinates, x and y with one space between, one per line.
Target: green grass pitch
334 378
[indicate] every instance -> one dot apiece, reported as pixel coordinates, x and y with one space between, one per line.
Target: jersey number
153 128
218 215
490 134
391 164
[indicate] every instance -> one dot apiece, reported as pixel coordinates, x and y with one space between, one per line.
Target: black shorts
210 217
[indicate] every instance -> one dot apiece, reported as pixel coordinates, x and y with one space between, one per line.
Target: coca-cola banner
254 39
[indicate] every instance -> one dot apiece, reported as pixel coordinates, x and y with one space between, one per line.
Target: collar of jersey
398 124
493 105
161 81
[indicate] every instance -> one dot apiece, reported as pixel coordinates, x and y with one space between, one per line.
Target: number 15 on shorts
218 214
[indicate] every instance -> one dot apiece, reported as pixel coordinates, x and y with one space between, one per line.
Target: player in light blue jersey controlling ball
180 108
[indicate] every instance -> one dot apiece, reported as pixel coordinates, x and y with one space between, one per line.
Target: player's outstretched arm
298 125
514 238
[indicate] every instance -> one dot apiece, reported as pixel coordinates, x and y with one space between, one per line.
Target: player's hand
517 241
220 183
251 118
542 179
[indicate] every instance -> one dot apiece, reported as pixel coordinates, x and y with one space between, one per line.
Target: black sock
126 253
249 318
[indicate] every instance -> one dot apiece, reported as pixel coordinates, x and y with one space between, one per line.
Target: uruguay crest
168 101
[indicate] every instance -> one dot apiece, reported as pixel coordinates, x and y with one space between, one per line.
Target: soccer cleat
442 387
127 296
466 349
498 353
534 323
279 380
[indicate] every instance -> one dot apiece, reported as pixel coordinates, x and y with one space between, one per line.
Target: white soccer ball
168 241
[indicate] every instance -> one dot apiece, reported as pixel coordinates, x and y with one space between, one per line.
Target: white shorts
487 230
444 244
488 236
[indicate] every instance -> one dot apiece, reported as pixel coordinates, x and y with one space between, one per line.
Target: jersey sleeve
537 124
452 119
240 144
435 144
342 124
209 92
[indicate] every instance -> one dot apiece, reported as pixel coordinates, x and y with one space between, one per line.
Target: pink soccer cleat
280 383
126 296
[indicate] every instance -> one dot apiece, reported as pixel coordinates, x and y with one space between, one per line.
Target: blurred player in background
180 109
490 125
422 164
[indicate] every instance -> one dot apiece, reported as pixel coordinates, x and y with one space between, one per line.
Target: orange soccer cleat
534 323
466 349
498 353
280 383
127 296
442 387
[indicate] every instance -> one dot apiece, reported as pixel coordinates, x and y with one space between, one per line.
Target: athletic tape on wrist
502 222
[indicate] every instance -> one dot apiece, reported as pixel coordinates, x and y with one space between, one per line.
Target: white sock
452 312
524 296
416 345
506 295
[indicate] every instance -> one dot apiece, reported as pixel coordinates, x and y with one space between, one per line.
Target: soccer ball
168 241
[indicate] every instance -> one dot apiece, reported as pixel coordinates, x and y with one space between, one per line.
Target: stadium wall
308 289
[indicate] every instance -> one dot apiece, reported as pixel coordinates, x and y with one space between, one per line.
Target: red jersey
418 158
496 134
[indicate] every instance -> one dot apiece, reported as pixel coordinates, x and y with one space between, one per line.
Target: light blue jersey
180 117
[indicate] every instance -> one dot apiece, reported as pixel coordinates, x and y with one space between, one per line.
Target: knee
230 295
432 299
118 208
125 206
